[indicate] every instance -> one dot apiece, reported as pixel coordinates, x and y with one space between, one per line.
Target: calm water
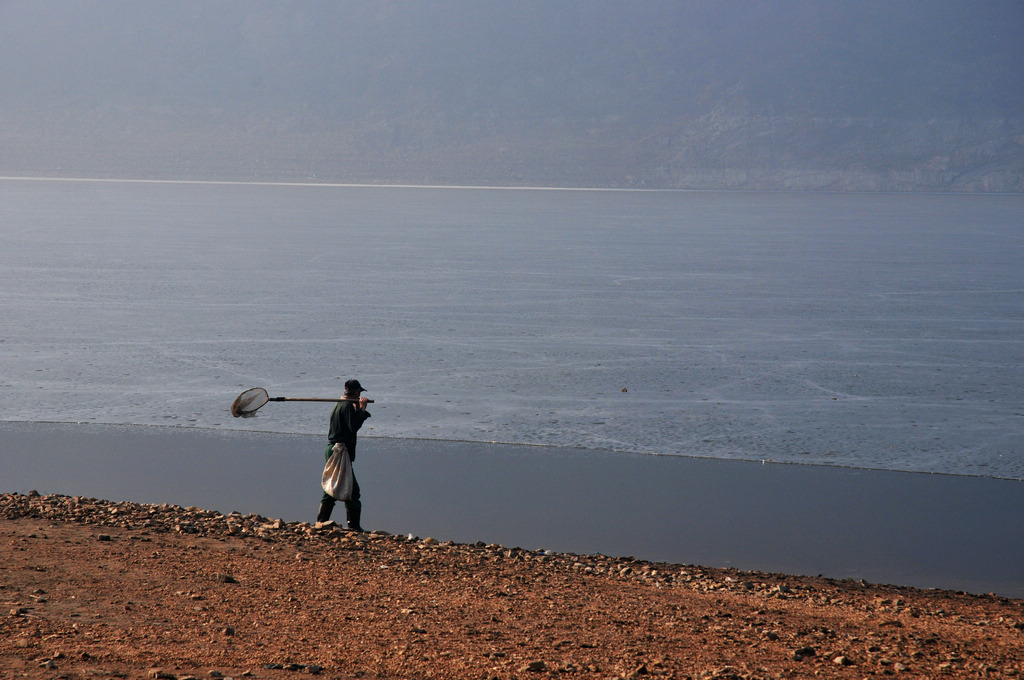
929 531
853 330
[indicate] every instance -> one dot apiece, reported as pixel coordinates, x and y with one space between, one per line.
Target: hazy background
866 95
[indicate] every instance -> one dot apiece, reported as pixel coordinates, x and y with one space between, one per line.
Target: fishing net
249 402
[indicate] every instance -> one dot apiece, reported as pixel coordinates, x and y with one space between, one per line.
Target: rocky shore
99 589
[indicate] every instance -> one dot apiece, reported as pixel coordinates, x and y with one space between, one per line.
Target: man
346 419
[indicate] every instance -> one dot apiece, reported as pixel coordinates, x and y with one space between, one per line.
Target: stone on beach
230 594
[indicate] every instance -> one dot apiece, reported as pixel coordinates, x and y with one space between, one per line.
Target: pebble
159 674
312 669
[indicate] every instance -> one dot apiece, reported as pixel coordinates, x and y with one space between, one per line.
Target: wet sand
928 531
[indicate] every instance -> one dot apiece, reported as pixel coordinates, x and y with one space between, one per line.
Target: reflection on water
924 530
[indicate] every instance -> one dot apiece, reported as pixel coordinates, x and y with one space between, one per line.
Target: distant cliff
716 151
746 94
845 154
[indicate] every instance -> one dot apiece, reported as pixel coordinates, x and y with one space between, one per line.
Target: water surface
924 530
876 331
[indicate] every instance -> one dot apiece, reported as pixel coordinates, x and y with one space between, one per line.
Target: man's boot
325 511
353 510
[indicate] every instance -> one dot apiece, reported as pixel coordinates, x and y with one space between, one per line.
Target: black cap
353 387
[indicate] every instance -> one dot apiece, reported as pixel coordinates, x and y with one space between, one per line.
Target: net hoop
248 402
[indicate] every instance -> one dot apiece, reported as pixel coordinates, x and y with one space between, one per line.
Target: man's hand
363 401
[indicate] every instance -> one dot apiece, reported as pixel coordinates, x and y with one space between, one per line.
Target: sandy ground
98 589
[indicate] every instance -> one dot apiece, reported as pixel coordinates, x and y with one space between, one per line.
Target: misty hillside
779 94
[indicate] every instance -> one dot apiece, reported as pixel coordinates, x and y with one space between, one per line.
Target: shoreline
384 185
139 590
923 530
500 443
